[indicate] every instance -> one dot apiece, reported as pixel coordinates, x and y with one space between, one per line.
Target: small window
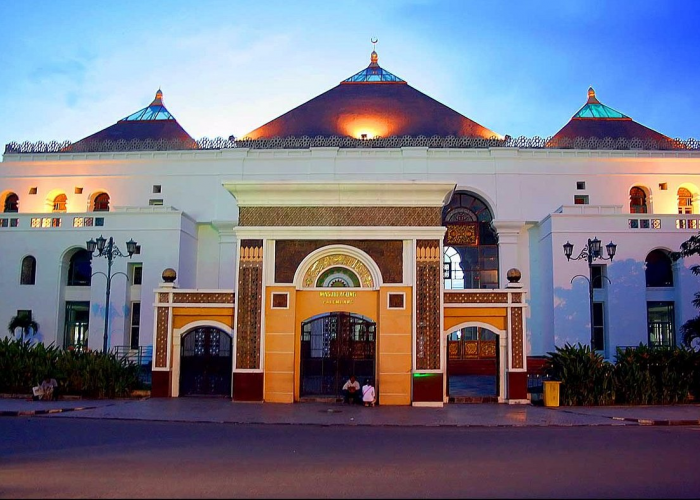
581 199
135 322
638 201
155 202
28 275
396 300
11 203
280 300
660 320
598 326
78 190
156 188
685 201
80 269
581 185
137 275
659 270
663 186
101 203
32 190
598 275
59 203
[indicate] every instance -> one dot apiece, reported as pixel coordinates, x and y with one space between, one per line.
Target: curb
645 421
22 413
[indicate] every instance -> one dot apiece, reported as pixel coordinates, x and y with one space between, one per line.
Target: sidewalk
452 415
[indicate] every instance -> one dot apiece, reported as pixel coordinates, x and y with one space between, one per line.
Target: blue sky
71 68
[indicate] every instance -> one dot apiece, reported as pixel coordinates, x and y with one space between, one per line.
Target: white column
508 235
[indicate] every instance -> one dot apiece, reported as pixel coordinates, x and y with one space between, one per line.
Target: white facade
529 191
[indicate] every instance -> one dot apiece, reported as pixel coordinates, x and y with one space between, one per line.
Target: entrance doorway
333 347
472 365
76 325
206 363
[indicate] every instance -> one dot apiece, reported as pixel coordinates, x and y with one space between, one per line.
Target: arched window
638 201
59 203
685 201
80 269
472 258
11 203
659 271
101 203
28 274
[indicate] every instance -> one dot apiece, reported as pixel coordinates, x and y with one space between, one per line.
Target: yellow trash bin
551 392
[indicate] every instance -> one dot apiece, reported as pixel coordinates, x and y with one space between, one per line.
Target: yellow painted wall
184 315
311 303
494 316
394 348
280 327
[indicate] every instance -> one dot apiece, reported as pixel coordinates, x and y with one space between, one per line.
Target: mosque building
371 230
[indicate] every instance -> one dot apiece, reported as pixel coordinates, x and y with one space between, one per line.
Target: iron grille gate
206 363
333 347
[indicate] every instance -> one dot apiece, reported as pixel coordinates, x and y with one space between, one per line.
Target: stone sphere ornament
513 275
169 275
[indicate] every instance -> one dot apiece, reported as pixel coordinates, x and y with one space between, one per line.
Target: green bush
586 378
89 374
639 376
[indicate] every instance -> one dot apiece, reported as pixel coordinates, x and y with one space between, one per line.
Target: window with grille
638 201
28 275
59 203
685 201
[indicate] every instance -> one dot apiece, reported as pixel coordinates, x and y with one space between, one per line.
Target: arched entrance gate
206 363
334 346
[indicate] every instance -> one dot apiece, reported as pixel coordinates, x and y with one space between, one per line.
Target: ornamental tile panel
428 279
517 298
249 317
340 216
476 298
161 347
164 298
203 298
516 331
388 256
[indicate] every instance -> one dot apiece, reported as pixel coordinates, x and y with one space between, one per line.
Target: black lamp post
105 248
590 252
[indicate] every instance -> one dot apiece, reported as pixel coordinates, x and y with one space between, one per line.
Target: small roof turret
152 122
595 119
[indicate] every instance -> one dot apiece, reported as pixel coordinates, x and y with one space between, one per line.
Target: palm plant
25 322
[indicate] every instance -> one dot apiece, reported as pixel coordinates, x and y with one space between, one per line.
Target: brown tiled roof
372 102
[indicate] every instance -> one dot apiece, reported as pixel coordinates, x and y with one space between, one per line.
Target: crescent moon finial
374 41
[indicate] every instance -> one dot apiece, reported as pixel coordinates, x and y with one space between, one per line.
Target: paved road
50 457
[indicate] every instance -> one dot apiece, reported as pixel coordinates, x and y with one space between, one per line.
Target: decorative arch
658 270
28 271
687 198
341 262
480 324
56 201
10 202
470 259
99 202
639 199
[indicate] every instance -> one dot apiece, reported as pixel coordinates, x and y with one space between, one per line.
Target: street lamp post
105 248
590 252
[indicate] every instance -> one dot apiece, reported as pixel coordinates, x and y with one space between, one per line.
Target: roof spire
158 101
591 96
374 57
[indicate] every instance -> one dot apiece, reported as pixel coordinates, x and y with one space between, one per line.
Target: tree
691 328
25 322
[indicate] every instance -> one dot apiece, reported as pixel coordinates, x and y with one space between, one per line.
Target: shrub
88 374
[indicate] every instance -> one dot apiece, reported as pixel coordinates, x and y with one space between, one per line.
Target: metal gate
206 363
333 347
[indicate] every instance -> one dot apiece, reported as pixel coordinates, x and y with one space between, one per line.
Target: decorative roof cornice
305 142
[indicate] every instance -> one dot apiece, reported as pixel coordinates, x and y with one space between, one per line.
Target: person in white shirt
368 395
351 391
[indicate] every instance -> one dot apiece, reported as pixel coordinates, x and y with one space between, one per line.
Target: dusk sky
71 68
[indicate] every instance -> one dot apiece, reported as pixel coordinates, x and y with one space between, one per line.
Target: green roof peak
373 73
155 111
595 109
